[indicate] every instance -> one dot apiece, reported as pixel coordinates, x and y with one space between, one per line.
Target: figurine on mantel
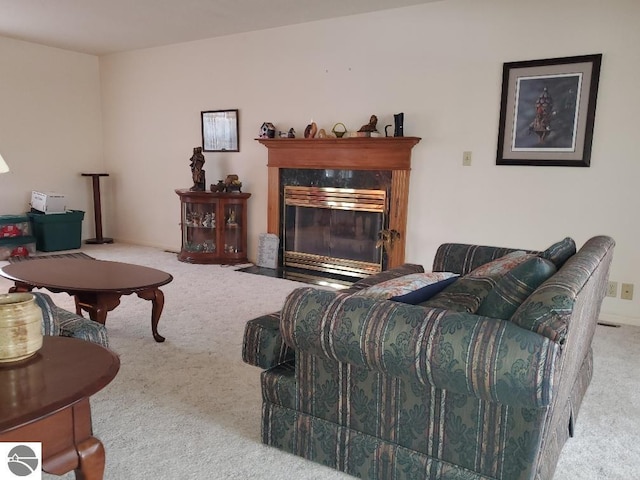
197 173
311 130
399 126
267 130
371 126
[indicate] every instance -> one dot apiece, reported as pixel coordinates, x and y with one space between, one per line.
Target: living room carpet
189 408
59 255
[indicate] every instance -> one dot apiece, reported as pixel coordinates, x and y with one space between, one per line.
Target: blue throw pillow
425 293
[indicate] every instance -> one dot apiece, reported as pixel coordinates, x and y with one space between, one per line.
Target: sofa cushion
403 285
514 287
466 294
560 251
425 293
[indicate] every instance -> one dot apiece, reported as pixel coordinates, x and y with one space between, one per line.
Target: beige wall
440 64
50 125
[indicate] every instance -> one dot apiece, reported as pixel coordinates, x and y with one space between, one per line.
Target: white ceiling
101 27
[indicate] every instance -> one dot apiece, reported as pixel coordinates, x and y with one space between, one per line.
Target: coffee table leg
98 304
92 460
157 298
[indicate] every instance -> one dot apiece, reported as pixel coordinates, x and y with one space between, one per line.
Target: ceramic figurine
218 187
207 221
291 133
371 126
311 130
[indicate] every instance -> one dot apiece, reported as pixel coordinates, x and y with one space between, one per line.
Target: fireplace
330 199
333 230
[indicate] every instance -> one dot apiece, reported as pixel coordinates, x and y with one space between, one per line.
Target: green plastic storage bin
57 231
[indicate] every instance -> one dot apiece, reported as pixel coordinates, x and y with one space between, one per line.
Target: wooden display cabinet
214 227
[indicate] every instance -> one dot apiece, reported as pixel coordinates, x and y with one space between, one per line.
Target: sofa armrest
263 345
491 359
76 326
50 324
58 321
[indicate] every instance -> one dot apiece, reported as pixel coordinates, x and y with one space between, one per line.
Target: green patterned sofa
386 390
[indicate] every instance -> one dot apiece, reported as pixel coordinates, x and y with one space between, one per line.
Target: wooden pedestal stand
97 208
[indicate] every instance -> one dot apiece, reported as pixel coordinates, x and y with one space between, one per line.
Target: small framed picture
220 131
547 111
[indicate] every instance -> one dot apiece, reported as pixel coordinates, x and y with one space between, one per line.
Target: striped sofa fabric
61 322
385 390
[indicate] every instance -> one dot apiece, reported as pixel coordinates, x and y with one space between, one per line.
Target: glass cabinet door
213 227
233 228
199 227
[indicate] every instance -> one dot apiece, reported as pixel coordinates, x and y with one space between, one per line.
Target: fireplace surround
350 168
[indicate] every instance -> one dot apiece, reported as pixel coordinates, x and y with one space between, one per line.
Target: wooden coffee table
97 285
46 399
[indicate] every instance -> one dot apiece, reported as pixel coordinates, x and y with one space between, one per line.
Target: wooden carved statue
197 173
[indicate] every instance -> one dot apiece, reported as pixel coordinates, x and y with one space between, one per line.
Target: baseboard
619 319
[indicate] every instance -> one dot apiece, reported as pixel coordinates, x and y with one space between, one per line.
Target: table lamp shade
4 168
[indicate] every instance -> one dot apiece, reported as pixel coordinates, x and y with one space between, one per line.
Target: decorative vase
20 326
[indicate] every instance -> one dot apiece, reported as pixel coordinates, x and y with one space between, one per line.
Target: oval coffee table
97 285
46 399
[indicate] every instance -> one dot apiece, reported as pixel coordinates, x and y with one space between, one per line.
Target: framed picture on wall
220 131
547 111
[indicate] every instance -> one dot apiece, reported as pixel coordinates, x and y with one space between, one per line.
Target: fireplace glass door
334 230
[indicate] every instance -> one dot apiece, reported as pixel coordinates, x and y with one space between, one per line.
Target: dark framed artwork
547 111
220 131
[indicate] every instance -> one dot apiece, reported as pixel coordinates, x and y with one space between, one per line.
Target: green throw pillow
467 293
560 251
515 287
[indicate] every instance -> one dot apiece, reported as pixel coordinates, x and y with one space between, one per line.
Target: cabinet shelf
207 235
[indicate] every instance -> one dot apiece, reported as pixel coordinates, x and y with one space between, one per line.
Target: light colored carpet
189 408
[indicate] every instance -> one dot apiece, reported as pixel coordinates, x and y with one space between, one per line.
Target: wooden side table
97 208
46 399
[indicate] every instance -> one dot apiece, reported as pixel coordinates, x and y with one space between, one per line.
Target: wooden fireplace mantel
359 153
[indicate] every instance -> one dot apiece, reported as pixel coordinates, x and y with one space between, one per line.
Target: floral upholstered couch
483 380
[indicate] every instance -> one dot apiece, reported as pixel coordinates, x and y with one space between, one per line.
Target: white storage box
48 202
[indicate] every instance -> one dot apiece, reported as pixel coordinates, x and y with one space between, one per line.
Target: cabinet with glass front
214 227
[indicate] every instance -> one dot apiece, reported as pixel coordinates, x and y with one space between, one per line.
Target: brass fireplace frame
332 198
